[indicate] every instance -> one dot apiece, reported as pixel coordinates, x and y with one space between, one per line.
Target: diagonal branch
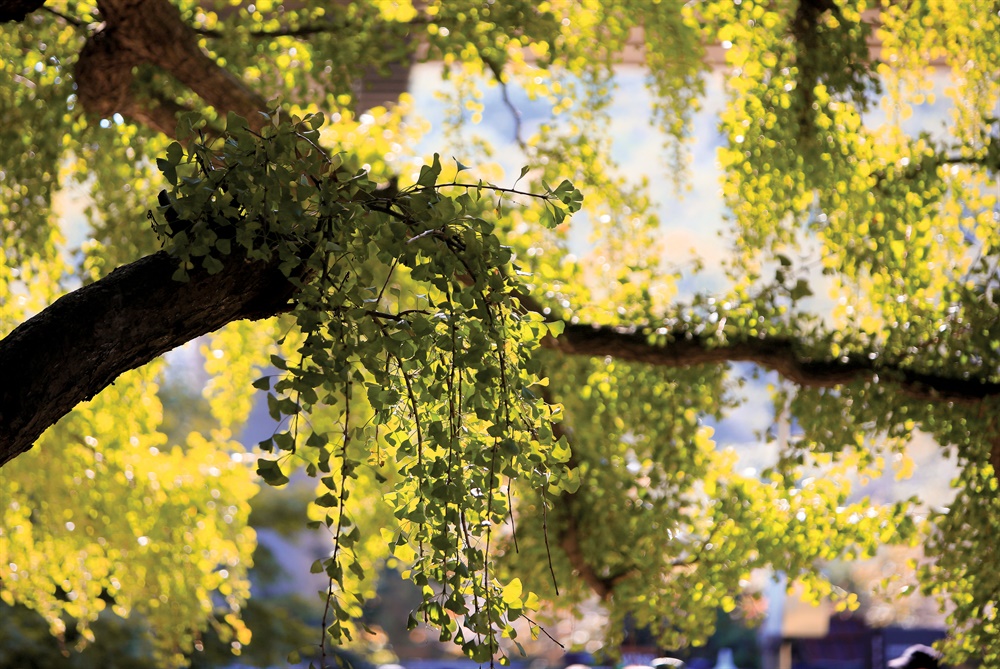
154 32
72 20
82 342
77 346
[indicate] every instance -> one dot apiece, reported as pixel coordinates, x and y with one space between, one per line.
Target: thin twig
340 510
388 278
323 152
515 112
543 631
510 514
420 440
484 186
297 31
548 550
326 612
497 70
72 20
381 315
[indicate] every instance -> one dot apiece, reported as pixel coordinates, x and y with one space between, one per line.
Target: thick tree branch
685 349
157 113
569 542
81 343
153 32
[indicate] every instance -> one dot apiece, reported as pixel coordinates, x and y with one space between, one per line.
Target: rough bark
85 340
152 31
76 347
82 342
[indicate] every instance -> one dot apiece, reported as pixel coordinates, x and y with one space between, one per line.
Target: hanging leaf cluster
450 379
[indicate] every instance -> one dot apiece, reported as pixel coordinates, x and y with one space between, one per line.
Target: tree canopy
511 413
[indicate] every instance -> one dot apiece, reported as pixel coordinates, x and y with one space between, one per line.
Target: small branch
326 613
72 20
569 534
395 317
322 152
398 317
484 186
297 31
543 631
515 112
497 71
433 232
569 541
545 535
991 161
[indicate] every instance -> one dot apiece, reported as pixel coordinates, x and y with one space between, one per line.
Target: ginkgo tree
510 422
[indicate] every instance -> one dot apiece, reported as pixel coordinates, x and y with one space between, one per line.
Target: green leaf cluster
408 379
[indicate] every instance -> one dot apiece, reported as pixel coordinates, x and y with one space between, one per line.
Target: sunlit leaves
444 385
407 381
37 90
176 550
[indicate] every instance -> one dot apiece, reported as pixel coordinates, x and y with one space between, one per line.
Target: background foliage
408 378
